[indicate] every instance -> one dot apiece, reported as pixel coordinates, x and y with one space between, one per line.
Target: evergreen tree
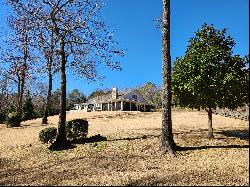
28 109
209 75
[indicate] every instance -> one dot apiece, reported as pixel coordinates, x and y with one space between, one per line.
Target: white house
84 106
128 101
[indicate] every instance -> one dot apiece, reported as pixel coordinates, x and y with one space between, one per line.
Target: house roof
108 97
101 98
135 91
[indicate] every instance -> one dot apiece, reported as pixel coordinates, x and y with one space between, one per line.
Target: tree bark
21 92
49 66
247 111
18 108
22 77
21 83
167 141
210 129
47 107
61 137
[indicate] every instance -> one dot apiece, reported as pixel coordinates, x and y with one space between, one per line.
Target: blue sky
135 30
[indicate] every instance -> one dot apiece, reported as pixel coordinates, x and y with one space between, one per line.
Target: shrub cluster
13 120
75 129
48 135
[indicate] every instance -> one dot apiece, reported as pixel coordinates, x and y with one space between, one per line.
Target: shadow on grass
68 145
241 134
136 138
92 139
212 147
99 138
189 148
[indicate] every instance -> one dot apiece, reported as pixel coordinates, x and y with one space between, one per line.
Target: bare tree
21 26
80 33
17 55
4 98
46 45
44 38
83 41
167 141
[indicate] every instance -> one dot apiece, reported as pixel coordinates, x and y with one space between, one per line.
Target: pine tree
28 109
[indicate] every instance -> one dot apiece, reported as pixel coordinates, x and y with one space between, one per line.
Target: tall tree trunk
247 111
21 93
210 128
167 141
61 138
47 107
22 77
18 108
49 66
21 83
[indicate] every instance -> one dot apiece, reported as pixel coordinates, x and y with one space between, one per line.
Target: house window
134 96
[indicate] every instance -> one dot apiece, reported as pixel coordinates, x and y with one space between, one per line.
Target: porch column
115 105
101 106
144 107
121 105
130 106
108 106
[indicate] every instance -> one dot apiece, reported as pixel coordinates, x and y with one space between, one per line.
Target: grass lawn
130 155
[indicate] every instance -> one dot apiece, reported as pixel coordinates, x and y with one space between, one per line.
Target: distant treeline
34 105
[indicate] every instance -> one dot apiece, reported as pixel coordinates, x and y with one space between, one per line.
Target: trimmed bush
13 120
48 135
77 129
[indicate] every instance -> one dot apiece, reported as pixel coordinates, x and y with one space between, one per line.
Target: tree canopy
151 93
75 97
98 92
210 75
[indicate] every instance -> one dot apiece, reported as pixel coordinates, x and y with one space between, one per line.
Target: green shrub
77 129
13 120
2 117
48 135
53 111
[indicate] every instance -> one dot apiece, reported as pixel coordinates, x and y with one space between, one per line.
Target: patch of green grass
100 146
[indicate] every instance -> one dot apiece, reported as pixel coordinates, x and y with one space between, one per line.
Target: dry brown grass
130 155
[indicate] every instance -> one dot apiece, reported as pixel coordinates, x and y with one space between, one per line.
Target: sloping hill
130 155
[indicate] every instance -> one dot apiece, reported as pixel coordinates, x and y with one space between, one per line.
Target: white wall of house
77 107
82 107
94 105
